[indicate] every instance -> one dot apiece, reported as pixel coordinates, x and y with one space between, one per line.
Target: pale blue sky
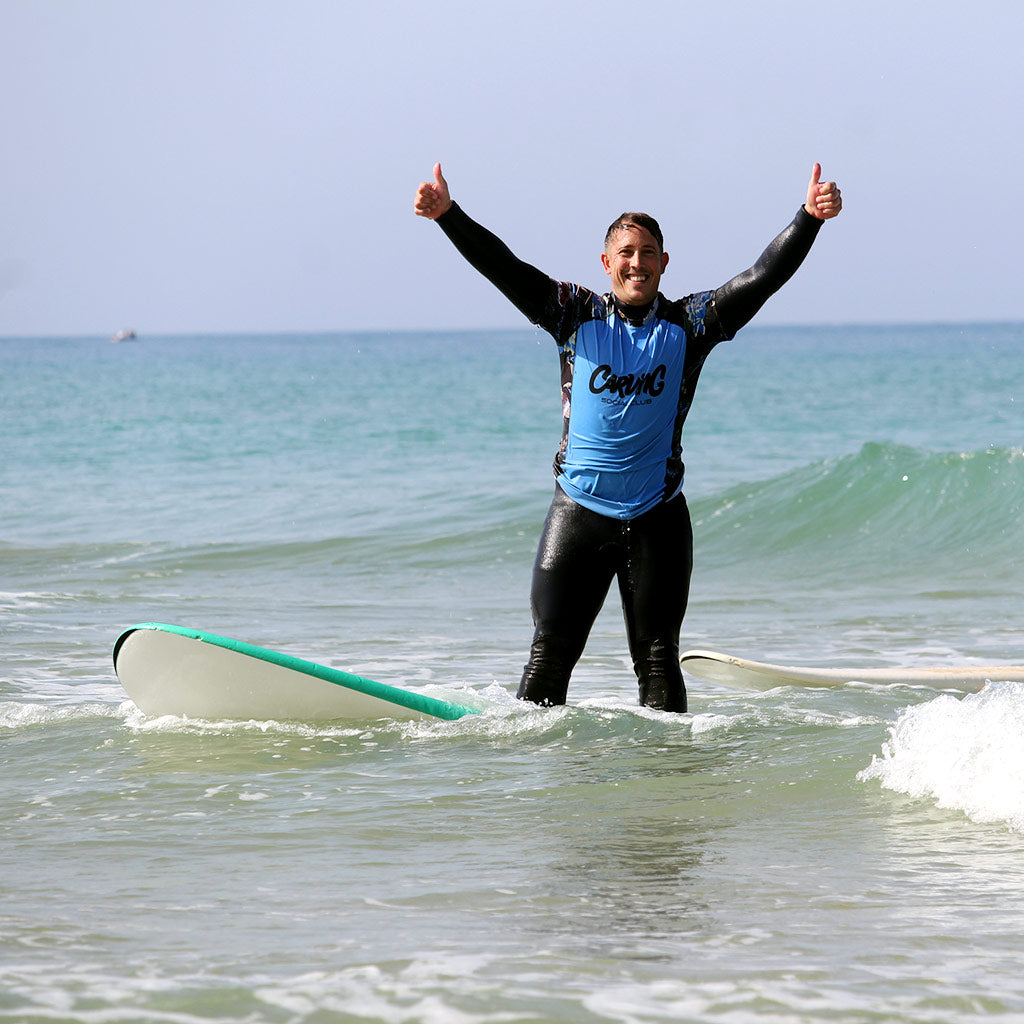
207 165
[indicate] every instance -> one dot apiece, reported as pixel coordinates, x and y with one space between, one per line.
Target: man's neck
630 313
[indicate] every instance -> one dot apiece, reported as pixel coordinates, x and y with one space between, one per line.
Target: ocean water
373 502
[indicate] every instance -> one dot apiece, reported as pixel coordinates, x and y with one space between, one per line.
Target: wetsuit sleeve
739 299
526 287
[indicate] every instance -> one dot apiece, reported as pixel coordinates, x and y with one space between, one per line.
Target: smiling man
633 258
630 360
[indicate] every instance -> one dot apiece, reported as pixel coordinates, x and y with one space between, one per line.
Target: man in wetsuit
630 360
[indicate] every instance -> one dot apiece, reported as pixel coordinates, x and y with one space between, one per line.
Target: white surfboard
171 670
758 675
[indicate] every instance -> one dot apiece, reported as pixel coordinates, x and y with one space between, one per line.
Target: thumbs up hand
432 197
824 200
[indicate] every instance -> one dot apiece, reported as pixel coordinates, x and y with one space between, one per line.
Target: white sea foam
11 601
25 714
965 754
138 722
710 722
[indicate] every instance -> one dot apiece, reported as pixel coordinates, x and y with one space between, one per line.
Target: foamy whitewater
965 753
372 502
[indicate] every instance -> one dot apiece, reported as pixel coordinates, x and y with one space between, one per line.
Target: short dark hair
637 220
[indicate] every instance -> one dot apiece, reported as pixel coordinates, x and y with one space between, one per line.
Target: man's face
634 261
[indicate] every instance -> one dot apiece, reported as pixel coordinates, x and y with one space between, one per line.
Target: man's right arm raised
526 287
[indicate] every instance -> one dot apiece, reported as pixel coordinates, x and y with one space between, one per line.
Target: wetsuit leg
571 577
655 587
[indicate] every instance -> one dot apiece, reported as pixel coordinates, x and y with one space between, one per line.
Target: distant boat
127 334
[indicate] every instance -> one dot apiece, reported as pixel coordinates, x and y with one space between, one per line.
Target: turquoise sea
372 502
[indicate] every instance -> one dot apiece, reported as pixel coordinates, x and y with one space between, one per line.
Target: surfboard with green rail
172 670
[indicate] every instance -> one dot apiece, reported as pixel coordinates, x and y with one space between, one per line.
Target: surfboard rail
174 670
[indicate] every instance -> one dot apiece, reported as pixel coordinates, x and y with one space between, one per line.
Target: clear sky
247 165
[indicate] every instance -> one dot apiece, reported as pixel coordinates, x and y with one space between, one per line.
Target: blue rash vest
626 389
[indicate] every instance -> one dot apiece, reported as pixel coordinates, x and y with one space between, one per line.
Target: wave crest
886 510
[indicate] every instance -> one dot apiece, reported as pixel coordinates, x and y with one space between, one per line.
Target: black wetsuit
618 509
